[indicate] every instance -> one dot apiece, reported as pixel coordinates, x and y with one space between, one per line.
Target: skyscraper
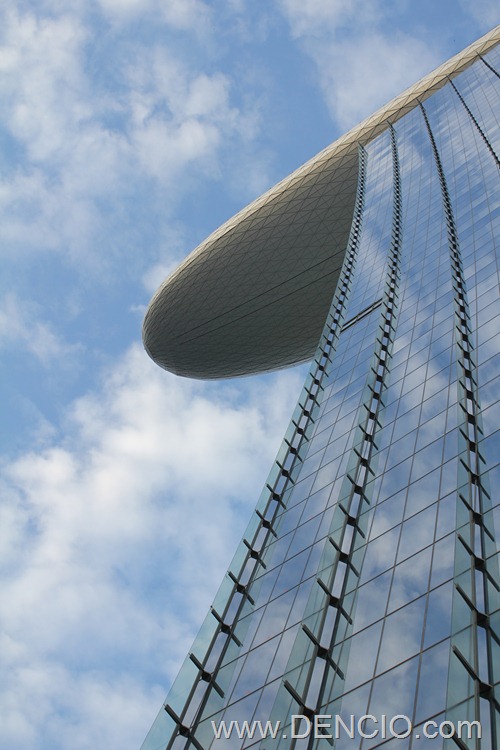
367 582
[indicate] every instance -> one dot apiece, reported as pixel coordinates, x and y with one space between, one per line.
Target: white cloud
360 65
318 18
359 76
21 327
99 136
154 481
42 76
184 15
177 118
484 12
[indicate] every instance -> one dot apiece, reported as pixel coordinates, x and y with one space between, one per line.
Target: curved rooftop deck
253 296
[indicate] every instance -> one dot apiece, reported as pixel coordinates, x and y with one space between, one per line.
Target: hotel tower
367 581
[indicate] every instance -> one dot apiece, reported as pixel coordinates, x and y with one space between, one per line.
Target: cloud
21 327
184 15
175 118
41 73
97 139
317 18
139 505
358 78
484 12
361 61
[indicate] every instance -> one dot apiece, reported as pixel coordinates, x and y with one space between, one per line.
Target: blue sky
131 129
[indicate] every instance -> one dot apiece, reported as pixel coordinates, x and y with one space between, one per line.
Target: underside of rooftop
253 297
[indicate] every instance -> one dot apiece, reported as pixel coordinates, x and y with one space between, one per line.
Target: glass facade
367 582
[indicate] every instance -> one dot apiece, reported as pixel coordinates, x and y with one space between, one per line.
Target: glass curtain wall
367 581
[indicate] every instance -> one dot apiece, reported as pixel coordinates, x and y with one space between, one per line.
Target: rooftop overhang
254 296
